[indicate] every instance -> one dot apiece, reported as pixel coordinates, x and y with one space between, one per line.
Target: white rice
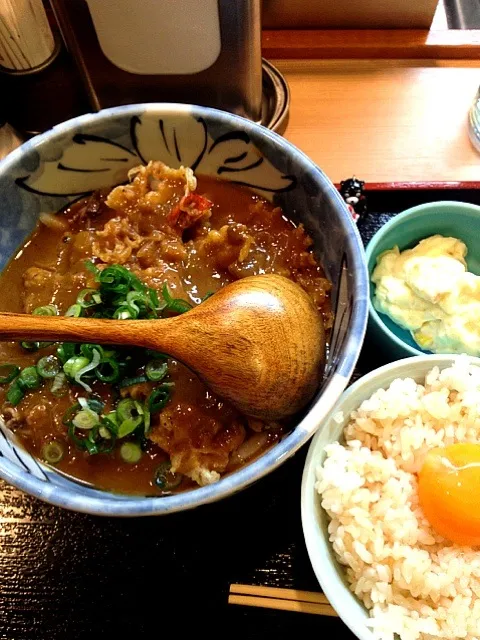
414 582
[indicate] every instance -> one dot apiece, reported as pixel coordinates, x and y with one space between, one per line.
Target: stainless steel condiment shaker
204 52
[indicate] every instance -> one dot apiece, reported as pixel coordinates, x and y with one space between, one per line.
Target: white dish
330 574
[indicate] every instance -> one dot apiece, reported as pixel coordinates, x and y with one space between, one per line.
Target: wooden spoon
259 342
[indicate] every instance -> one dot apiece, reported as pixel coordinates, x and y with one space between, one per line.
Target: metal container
131 51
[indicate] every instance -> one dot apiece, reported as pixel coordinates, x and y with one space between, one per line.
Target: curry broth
50 269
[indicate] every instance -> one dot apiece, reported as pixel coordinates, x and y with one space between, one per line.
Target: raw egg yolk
449 492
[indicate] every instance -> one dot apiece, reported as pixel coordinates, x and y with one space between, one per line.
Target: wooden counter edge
371 43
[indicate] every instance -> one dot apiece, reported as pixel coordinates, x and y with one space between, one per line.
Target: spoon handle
18 326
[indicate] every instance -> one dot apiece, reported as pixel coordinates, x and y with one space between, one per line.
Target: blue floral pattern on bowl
97 150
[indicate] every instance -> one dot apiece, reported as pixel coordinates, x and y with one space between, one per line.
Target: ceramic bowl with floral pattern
97 150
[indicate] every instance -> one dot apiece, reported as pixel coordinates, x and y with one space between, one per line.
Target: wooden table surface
384 120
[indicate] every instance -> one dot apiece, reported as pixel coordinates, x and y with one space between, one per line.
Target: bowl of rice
383 567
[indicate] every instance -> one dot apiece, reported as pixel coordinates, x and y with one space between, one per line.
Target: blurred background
58 59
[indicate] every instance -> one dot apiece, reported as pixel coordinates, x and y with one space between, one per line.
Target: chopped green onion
29 346
59 385
89 298
79 442
75 364
119 294
95 405
128 426
129 415
75 311
128 382
88 349
66 351
156 370
155 302
105 433
159 397
119 281
89 367
91 267
15 393
208 295
106 445
110 422
134 297
156 355
165 479
146 420
52 452
167 296
90 442
29 378
8 372
139 407
34 346
48 366
96 433
126 408
176 305
47 310
123 296
180 306
108 371
86 419
125 312
144 304
93 443
92 403
70 413
130 452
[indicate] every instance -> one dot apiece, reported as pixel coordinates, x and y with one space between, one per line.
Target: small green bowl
456 219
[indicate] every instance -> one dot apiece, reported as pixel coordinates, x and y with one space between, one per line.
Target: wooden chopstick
282 599
283 605
277 592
